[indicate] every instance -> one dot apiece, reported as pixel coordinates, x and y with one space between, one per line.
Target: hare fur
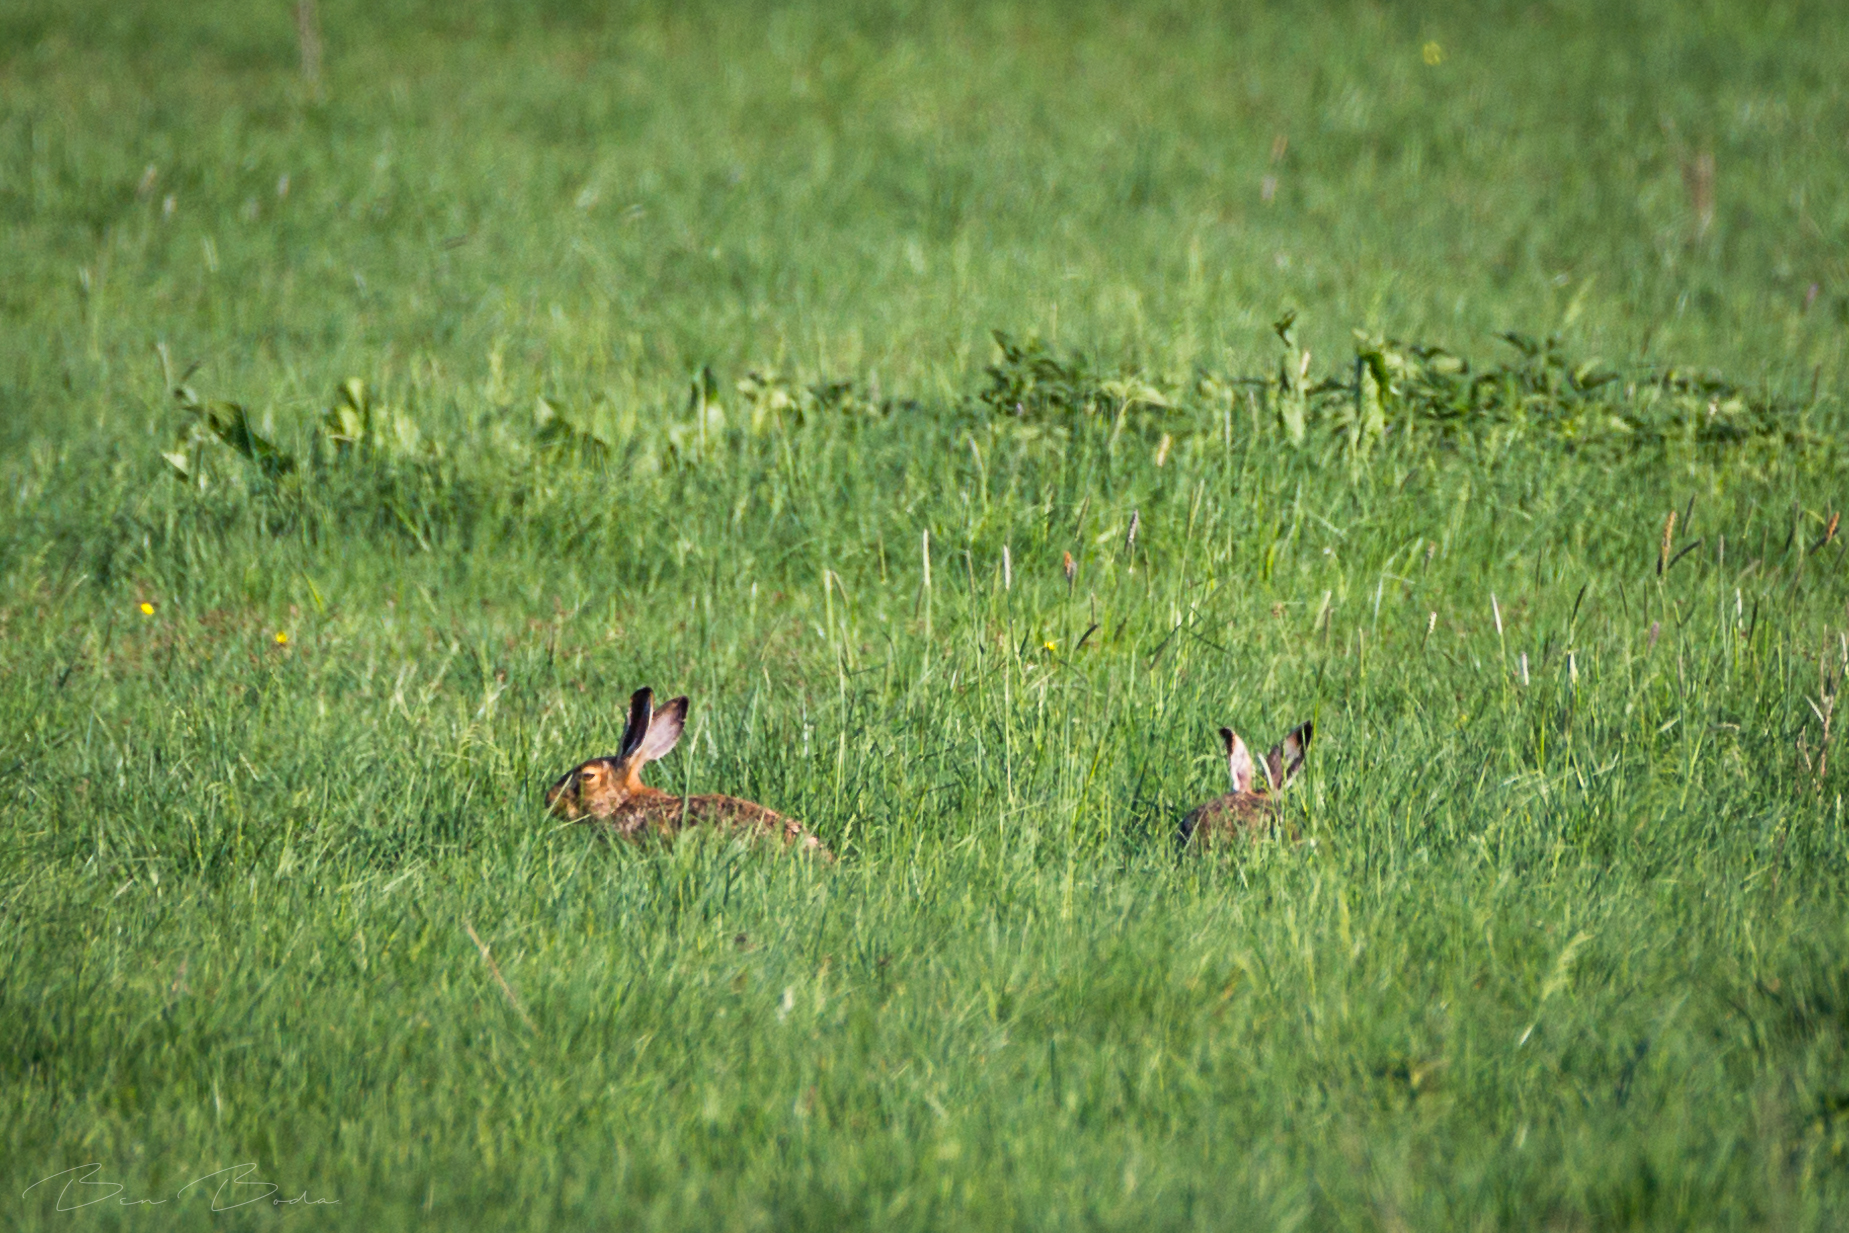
1247 810
608 792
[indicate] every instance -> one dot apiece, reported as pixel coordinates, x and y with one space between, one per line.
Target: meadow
972 408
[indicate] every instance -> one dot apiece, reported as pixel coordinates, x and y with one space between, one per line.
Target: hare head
598 788
1281 764
1250 809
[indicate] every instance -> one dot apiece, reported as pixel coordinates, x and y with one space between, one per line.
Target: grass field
530 354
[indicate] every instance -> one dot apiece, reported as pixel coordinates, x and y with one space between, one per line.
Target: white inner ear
664 731
1239 763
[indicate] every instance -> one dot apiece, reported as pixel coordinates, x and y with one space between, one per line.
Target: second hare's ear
1238 760
641 707
663 731
1286 757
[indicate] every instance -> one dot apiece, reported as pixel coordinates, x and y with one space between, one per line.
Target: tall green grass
1565 944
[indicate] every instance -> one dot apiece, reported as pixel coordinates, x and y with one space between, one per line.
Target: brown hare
1245 811
609 793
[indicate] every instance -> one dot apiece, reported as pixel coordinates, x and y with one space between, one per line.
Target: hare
609 793
1243 810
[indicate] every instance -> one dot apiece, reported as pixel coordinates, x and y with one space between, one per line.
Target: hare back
1247 814
749 815
668 815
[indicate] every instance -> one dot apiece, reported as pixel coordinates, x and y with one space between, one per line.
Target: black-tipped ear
641 710
1286 757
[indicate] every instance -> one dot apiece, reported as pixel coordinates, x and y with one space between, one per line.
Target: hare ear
1286 757
1238 760
663 731
641 706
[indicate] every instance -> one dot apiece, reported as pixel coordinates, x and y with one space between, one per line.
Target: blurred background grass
1568 951
614 194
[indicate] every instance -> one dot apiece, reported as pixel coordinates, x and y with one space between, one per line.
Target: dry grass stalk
1823 706
308 33
495 969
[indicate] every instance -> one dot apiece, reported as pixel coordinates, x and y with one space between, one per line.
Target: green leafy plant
209 426
355 426
558 436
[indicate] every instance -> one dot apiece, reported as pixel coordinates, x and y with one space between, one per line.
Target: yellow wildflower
147 609
282 638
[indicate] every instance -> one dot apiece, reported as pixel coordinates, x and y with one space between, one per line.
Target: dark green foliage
1029 381
229 423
